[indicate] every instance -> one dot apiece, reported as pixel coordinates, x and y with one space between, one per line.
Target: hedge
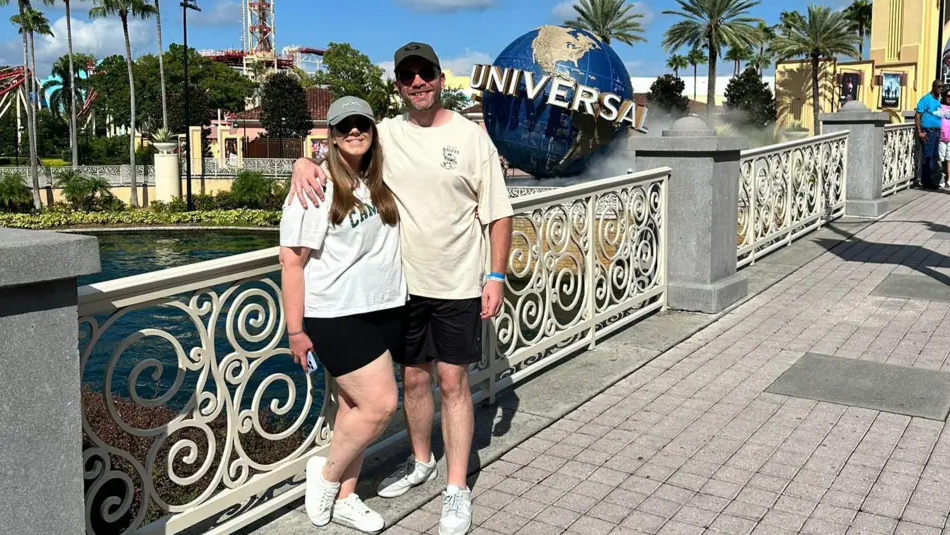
60 219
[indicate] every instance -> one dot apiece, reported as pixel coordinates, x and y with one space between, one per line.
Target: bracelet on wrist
295 333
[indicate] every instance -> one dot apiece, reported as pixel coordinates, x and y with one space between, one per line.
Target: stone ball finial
854 105
689 126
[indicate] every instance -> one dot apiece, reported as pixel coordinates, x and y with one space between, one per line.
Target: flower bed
212 218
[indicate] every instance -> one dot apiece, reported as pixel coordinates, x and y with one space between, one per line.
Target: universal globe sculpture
548 140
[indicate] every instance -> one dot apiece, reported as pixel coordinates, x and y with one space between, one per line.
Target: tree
31 22
696 57
738 55
454 99
73 128
788 19
749 101
124 9
762 58
666 94
712 24
823 34
609 20
347 71
284 107
859 16
677 62
61 88
161 63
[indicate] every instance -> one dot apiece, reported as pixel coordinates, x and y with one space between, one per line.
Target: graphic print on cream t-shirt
439 176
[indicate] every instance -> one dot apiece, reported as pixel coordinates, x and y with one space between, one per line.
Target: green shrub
68 218
87 192
250 190
15 195
173 206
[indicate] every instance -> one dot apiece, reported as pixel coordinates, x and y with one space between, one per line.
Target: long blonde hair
371 168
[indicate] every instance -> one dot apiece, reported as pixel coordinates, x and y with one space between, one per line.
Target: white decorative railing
193 412
900 164
115 175
789 189
269 167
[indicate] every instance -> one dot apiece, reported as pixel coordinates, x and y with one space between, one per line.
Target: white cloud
222 13
101 38
564 10
448 6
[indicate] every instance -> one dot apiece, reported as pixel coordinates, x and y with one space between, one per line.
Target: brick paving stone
524 507
576 502
678 528
784 519
732 525
558 516
420 520
610 512
909 528
515 487
644 522
537 528
544 494
816 526
588 525
505 522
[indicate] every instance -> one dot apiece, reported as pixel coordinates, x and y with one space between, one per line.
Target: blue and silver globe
548 141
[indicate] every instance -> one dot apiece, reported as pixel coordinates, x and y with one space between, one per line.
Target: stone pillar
41 468
865 168
167 177
703 213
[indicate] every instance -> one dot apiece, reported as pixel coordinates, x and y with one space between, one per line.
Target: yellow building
902 66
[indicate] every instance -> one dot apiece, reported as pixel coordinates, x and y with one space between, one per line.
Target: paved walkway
691 443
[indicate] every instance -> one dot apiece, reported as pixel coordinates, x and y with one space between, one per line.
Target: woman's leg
370 397
352 472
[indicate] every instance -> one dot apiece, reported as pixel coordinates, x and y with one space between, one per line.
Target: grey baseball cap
416 50
344 107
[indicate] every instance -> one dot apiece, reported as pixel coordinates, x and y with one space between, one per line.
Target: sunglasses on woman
347 125
407 76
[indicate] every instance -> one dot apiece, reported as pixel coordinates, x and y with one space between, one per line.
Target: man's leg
928 156
419 408
458 420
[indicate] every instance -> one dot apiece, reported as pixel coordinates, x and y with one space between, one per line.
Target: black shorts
348 343
447 330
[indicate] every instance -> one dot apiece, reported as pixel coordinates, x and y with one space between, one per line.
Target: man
928 119
448 182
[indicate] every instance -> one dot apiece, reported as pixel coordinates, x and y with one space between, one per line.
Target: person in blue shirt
928 119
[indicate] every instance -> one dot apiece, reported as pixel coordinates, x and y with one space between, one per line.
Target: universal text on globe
607 106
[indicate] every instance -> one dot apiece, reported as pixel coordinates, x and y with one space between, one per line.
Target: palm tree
859 16
73 132
62 89
161 63
738 55
696 57
677 62
609 19
712 24
125 9
23 5
788 19
31 22
762 58
823 34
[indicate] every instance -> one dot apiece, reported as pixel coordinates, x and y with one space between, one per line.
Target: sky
463 32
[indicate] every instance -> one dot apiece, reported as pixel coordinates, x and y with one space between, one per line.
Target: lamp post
186 5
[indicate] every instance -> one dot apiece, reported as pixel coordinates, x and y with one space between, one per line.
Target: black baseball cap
416 50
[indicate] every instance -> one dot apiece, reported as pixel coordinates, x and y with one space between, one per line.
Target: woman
344 293
943 151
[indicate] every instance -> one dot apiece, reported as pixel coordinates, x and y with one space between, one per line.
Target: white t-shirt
354 267
439 176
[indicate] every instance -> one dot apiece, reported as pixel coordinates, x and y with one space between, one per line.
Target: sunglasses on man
347 125
426 72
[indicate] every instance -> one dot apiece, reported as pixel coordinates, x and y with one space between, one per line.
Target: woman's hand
300 344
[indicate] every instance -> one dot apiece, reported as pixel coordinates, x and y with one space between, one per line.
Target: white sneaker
352 512
456 511
414 474
320 493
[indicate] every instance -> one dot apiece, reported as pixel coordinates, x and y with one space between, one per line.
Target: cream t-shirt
439 176
354 267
